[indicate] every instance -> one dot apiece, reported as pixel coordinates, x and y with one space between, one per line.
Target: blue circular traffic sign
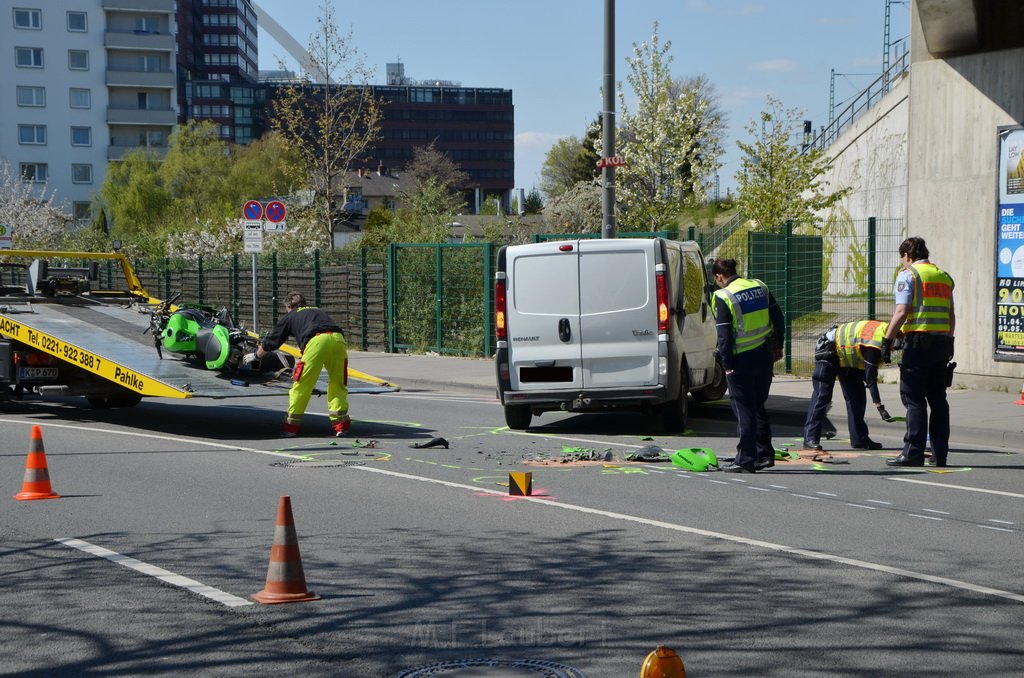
253 210
275 211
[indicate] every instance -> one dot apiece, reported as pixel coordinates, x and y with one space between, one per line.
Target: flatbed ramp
110 340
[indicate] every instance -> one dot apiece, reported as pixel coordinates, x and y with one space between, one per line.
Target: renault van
589 325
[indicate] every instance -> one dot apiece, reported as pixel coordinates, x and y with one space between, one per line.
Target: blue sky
550 53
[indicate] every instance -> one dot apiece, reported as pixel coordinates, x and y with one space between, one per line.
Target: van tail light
662 289
499 310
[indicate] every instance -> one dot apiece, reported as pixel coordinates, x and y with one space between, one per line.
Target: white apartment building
81 83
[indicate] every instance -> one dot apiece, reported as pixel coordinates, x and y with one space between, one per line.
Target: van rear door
618 312
543 307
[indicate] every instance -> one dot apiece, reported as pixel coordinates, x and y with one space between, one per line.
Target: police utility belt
924 340
825 349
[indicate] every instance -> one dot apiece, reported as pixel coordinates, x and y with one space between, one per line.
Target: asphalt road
421 556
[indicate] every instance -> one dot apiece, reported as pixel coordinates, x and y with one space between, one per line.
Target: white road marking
958 487
879 501
827 494
804 496
1001 522
782 548
993 527
193 441
941 513
918 515
153 571
870 508
779 487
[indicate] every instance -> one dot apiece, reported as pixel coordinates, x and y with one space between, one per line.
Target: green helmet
695 459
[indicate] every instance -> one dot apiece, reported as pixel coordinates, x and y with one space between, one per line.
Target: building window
28 18
78 59
147 25
82 211
33 171
81 98
31 96
28 57
151 139
150 64
81 173
77 22
81 136
32 134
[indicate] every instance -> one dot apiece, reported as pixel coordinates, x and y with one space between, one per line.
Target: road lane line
957 487
163 575
993 527
782 548
194 441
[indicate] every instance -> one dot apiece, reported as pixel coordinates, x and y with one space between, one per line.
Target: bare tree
331 124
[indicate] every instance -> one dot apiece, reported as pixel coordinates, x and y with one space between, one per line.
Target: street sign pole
608 123
255 304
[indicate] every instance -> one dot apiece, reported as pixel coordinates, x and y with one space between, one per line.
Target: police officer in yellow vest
750 333
925 314
850 352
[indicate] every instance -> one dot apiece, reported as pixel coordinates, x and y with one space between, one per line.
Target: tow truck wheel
105 402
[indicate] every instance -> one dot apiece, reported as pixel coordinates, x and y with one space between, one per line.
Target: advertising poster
1009 288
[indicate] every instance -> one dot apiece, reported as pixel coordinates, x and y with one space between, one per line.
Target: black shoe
903 460
935 461
869 444
738 468
764 464
829 435
812 445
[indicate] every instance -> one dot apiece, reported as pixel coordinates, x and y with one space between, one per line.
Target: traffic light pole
608 123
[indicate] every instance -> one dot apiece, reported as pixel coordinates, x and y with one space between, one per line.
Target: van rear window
546 284
614 281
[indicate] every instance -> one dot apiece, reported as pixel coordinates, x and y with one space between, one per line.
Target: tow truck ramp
100 342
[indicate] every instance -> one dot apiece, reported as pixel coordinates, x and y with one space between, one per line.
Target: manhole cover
493 668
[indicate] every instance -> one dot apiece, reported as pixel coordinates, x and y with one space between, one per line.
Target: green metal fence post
488 283
364 305
273 287
167 277
235 292
392 278
316 278
786 288
691 232
872 292
199 283
439 297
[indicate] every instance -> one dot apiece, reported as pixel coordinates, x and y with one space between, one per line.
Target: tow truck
61 334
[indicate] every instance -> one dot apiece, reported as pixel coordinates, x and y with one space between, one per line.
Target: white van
584 325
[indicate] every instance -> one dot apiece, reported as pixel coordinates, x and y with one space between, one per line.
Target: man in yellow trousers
323 347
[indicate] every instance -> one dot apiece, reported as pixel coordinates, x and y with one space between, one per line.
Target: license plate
37 372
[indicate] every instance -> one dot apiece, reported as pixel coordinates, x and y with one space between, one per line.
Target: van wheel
518 417
674 412
716 389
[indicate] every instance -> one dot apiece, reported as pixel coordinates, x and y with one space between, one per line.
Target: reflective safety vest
852 337
747 300
932 302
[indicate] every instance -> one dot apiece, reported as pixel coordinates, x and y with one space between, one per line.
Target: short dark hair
726 267
294 300
914 247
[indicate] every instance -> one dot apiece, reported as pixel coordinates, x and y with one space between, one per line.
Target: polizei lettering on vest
750 294
129 379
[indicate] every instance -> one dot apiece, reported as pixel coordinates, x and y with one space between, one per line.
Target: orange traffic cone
1020 401
663 662
37 475
286 583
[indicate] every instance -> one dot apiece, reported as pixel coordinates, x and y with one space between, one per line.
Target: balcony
160 79
139 40
141 116
161 6
118 152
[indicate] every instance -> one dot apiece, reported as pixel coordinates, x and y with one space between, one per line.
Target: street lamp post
608 123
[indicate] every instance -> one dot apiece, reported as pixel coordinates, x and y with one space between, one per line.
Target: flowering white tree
672 142
576 209
30 210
